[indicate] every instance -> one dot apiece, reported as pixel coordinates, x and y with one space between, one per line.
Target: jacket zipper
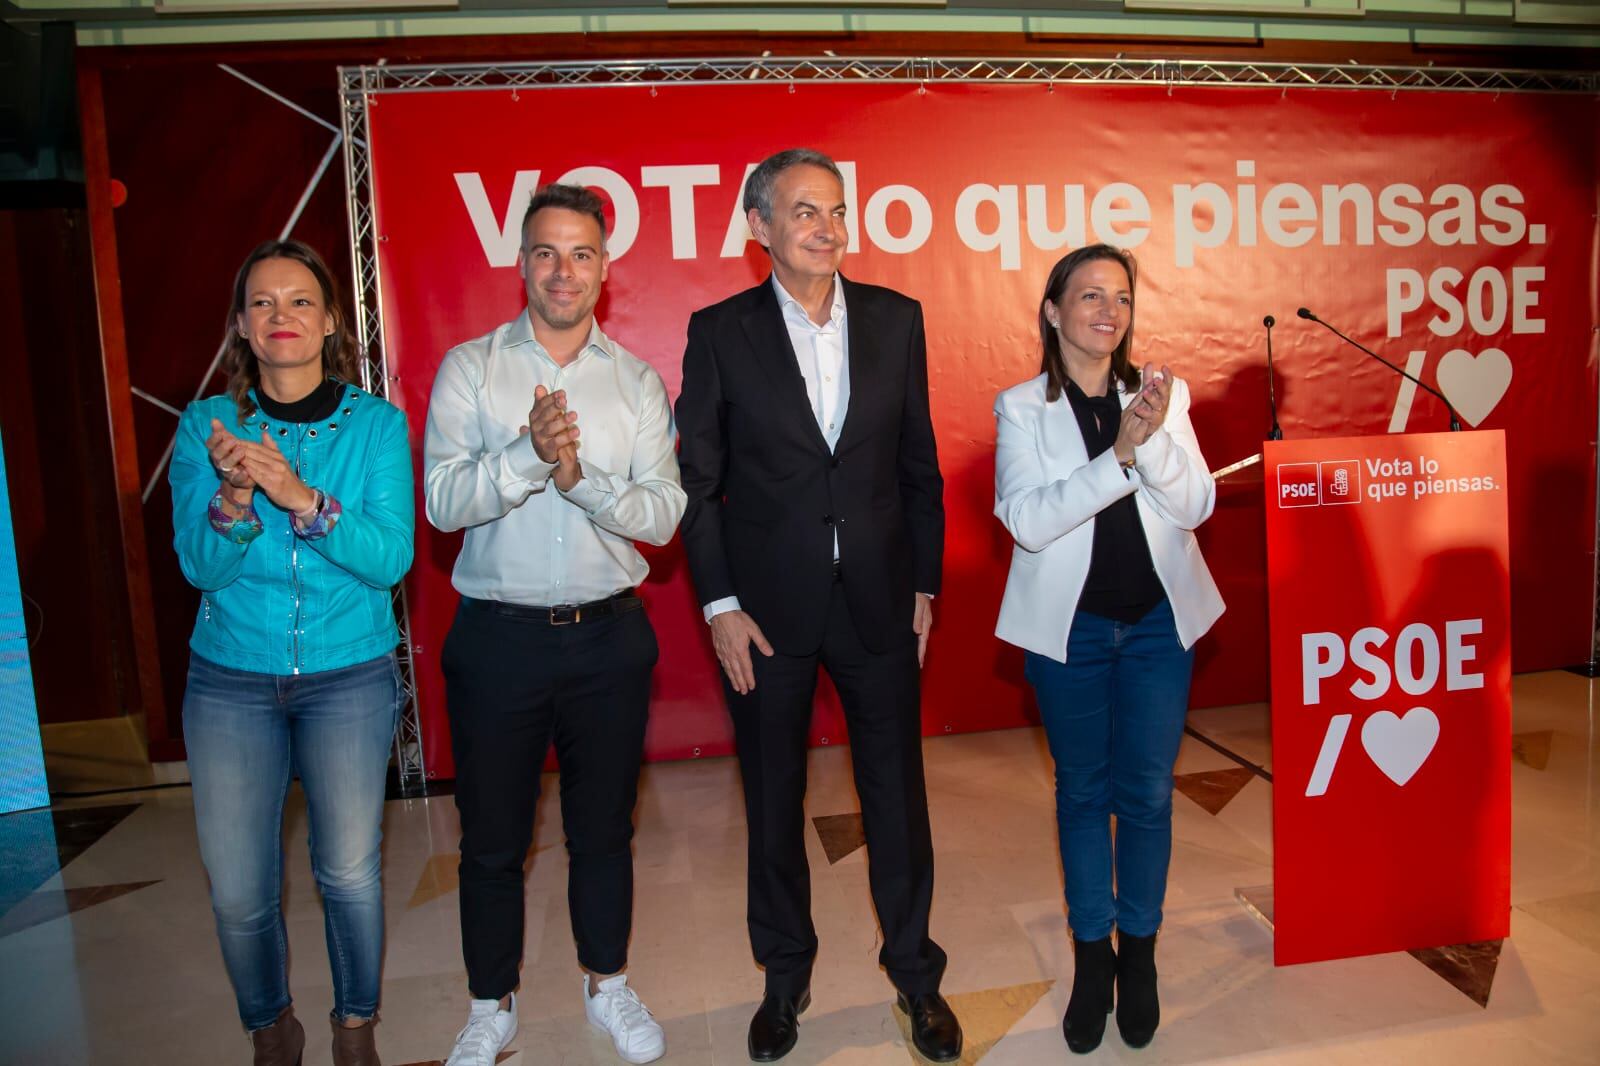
294 571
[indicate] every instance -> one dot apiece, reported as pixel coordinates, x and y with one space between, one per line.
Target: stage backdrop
1463 250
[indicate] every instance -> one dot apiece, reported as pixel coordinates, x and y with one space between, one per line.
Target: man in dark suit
814 531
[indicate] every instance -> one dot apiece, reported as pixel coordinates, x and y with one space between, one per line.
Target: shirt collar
794 310
520 331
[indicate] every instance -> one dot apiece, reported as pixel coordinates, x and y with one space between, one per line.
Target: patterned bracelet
322 519
241 530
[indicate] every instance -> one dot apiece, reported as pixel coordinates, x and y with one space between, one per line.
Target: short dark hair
239 359
571 198
1053 364
758 188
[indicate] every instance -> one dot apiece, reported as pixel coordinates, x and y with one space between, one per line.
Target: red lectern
1389 598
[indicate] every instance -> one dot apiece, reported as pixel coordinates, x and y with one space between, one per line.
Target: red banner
1391 693
1465 254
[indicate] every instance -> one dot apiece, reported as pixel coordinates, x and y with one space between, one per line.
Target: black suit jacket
766 496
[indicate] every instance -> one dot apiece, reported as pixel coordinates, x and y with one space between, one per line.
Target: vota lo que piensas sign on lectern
1389 602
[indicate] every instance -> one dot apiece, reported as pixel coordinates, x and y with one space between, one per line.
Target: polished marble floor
107 953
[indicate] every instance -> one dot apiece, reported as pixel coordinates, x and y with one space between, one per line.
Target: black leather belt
563 614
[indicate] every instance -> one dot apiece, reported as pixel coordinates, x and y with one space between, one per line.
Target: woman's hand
274 476
227 453
1145 414
1155 394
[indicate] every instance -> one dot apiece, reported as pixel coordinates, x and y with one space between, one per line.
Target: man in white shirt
553 447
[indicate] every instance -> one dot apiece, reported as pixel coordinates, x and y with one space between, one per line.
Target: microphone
1455 420
1275 433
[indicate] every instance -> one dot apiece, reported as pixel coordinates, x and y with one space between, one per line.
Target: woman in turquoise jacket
292 513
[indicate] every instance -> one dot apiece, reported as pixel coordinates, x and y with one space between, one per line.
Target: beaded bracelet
241 530
322 520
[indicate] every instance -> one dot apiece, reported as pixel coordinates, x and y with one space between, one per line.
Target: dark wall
58 464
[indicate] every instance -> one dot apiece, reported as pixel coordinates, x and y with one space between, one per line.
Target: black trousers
514 685
881 697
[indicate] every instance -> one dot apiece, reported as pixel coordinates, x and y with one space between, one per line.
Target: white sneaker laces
627 1007
479 1034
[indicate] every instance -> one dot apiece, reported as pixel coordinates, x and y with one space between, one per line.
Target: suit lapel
860 329
774 352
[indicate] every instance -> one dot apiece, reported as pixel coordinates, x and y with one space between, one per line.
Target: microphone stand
1276 432
1455 420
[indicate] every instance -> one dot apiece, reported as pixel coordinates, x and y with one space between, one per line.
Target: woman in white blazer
1099 479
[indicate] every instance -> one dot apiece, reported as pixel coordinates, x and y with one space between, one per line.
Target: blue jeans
1114 714
246 734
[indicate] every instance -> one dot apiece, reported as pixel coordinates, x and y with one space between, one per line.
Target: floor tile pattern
136 977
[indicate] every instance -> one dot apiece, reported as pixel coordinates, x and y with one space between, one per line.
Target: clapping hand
1155 394
555 435
273 475
227 455
1145 414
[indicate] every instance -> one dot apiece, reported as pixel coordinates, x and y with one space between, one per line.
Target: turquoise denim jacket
283 603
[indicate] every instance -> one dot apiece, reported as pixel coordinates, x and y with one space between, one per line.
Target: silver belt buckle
565 614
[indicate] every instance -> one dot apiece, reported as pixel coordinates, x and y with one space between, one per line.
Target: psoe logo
1298 485
1340 481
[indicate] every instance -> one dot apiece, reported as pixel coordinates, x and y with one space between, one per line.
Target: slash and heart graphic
1399 746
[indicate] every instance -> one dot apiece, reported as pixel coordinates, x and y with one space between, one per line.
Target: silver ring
226 469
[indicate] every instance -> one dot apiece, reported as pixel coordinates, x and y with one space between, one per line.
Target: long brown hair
239 361
1053 364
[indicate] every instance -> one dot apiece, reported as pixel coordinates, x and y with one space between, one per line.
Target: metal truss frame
1171 73
357 84
410 764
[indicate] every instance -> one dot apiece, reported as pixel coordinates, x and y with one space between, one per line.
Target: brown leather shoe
281 1043
354 1047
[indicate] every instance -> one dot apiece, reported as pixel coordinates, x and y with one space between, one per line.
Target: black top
1122 583
314 406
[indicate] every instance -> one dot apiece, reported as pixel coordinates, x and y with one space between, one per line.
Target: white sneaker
489 1029
615 1009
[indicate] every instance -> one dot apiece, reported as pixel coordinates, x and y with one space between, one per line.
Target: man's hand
922 624
732 633
568 471
552 426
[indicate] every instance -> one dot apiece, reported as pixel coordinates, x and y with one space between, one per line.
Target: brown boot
354 1047
280 1043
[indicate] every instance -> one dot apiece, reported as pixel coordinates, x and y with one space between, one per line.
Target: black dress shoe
776 1025
934 1030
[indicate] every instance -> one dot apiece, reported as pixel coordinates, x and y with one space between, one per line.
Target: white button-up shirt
824 356
823 353
527 542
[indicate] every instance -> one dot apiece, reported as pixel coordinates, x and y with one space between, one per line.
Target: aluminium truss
357 81
375 378
357 84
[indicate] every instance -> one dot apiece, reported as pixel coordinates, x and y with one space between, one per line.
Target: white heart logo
1474 384
1399 746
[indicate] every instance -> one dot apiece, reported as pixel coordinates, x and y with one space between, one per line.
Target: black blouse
1122 583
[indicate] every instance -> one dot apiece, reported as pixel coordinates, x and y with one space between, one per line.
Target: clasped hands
246 466
1142 417
555 435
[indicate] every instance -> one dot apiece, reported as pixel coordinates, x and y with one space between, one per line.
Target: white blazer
1047 492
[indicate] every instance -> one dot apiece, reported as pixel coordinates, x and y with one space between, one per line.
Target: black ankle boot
1094 971
1138 1007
